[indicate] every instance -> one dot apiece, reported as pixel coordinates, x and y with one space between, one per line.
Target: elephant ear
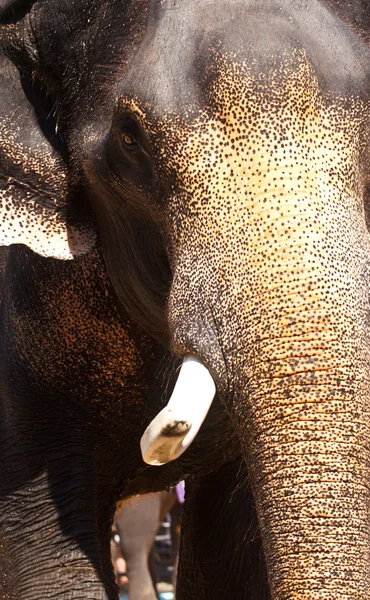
34 207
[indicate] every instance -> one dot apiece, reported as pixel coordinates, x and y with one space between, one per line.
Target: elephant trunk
271 291
291 330
307 447
301 403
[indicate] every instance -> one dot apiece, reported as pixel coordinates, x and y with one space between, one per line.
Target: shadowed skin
219 153
73 412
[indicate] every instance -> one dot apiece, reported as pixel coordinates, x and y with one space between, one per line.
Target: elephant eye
129 140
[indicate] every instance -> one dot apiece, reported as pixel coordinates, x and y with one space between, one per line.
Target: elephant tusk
175 427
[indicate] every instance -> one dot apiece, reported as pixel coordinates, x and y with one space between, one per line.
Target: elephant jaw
175 427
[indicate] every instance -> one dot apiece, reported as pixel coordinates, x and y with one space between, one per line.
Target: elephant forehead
268 200
286 164
187 43
282 123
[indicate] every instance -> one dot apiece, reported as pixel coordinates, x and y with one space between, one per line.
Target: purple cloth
180 492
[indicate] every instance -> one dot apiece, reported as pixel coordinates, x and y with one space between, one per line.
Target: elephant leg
221 553
176 517
152 565
55 523
137 522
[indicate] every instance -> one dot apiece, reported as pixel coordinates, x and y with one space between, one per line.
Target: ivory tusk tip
160 456
162 439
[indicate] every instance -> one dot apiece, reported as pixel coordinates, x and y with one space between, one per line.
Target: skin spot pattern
267 230
33 180
257 178
39 229
66 307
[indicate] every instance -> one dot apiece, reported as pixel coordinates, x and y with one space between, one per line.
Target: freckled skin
80 383
33 175
287 253
223 149
86 388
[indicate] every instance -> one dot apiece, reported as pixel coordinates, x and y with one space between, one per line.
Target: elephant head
224 149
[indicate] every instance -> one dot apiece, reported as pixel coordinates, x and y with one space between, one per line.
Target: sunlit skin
212 160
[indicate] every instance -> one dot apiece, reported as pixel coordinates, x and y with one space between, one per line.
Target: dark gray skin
70 429
209 188
75 399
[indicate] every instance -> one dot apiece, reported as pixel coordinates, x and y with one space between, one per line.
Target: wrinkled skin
209 183
79 379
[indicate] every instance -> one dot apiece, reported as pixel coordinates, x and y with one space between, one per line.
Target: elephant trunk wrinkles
303 384
292 328
307 450
303 381
303 393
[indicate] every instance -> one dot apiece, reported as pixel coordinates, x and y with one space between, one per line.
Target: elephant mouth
172 431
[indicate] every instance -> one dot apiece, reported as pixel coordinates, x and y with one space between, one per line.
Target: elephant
186 182
137 521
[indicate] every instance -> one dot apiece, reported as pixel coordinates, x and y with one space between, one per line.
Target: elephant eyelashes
127 154
129 132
